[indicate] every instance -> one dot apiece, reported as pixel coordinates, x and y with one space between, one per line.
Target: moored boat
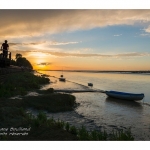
62 79
90 84
125 96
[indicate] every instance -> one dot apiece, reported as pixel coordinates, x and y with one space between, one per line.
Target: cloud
133 54
50 43
145 34
44 63
117 34
147 29
61 43
88 55
39 22
123 55
14 44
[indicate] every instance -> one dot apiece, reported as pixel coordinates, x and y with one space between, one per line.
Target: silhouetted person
5 48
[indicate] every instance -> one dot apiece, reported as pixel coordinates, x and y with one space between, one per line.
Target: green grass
122 135
43 128
82 133
51 102
20 83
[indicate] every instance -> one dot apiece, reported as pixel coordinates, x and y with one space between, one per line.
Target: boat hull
90 84
125 96
62 79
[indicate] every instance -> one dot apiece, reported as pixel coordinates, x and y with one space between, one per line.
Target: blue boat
125 96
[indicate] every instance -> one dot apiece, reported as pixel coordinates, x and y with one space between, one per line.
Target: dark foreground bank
16 124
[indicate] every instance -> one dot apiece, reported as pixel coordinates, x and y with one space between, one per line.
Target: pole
143 100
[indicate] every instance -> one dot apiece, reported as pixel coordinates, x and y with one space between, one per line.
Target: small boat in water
125 96
62 79
90 84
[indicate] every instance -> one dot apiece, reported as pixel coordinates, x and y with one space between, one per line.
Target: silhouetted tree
22 61
18 56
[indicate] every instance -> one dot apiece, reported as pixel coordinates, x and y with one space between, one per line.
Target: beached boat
125 96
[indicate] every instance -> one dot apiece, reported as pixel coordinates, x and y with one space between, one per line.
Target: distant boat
90 84
125 96
62 79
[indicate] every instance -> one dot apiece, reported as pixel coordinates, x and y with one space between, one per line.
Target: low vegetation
50 102
20 83
43 128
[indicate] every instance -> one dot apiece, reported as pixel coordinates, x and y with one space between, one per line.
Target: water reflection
126 103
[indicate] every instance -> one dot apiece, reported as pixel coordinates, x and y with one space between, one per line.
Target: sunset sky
91 39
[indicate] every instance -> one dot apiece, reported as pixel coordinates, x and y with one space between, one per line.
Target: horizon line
97 70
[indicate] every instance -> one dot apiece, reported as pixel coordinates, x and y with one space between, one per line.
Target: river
97 111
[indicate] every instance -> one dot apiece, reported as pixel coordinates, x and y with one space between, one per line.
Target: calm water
97 111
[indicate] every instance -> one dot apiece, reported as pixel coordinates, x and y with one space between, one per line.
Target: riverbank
13 112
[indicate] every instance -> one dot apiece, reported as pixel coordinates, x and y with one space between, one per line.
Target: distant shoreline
90 71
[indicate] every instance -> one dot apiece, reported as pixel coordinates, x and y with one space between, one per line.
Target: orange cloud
67 54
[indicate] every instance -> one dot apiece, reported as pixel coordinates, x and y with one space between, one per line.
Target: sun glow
38 54
40 67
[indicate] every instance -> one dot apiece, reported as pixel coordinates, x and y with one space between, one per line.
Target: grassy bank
13 114
20 83
53 102
12 111
23 82
42 128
